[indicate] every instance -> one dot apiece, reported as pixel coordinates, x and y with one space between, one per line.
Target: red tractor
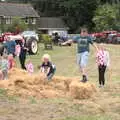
31 42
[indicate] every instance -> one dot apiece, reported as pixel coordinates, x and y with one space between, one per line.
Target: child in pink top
17 50
11 61
29 67
103 61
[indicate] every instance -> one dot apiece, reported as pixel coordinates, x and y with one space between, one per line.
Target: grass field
105 105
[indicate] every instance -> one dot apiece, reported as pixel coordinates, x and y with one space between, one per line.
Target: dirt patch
21 83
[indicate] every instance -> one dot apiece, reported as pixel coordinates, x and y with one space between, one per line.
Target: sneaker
84 80
101 86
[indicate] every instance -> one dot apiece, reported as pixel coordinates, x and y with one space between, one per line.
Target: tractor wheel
32 45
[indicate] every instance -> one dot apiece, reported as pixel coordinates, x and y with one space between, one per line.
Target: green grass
65 60
89 118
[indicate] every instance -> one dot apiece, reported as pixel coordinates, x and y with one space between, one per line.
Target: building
8 11
49 25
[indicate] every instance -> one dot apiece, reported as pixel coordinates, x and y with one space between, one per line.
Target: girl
47 67
29 67
4 67
1 75
103 62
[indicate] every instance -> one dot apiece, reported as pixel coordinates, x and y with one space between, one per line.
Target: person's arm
108 59
95 46
42 70
67 42
48 70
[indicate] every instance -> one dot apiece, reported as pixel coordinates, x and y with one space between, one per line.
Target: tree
75 13
18 25
106 17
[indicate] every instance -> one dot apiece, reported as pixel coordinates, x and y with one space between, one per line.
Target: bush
46 39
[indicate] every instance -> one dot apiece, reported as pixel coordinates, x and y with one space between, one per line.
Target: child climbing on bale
4 67
103 61
29 66
47 67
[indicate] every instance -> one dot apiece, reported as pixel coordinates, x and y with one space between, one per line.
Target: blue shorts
82 59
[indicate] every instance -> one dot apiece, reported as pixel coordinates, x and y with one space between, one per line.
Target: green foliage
90 118
75 13
33 100
106 17
46 39
17 24
3 92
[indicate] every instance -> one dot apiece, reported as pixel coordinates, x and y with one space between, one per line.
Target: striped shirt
102 58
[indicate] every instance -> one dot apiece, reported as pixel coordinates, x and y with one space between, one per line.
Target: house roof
15 10
51 23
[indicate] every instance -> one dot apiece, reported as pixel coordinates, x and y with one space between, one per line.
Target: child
1 75
29 67
11 61
103 62
47 67
4 67
17 50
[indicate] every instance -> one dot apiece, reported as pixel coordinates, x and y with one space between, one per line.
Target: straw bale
23 84
79 90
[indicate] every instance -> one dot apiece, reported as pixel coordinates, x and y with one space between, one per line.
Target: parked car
107 37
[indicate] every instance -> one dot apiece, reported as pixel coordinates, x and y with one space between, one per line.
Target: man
10 46
23 53
83 42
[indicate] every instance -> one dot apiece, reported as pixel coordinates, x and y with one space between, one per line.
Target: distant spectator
56 39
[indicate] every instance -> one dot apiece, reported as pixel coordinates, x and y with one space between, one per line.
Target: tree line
97 15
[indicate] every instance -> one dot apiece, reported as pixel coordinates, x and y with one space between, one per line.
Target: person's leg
103 75
49 77
100 75
22 61
5 74
79 63
1 75
83 64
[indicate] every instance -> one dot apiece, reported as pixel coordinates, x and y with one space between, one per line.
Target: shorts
82 59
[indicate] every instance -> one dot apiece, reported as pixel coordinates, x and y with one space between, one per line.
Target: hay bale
23 84
80 90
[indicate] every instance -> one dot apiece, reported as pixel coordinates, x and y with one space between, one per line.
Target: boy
83 42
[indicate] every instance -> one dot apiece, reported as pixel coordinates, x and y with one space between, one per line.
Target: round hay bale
80 90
